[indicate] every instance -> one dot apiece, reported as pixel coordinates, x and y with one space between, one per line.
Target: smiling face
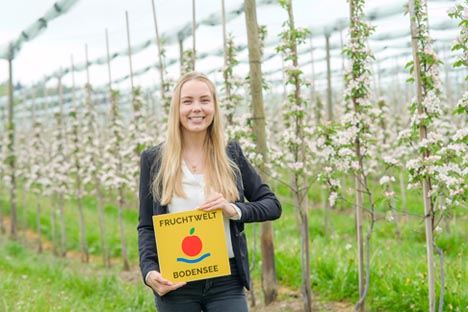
197 107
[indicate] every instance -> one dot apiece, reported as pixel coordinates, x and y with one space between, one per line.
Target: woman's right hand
161 285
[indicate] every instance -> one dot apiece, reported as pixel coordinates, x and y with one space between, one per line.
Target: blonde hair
220 171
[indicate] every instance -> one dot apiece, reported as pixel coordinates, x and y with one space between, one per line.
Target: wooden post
269 283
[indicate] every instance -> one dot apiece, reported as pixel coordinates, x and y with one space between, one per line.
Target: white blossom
386 179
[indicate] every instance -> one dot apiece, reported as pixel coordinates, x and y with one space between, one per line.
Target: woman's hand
216 201
161 285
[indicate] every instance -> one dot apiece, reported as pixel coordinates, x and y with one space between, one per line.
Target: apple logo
192 245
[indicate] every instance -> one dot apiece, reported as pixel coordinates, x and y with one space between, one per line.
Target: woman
195 167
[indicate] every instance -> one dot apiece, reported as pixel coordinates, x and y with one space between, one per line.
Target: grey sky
86 23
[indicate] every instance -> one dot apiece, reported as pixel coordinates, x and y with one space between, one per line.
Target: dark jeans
224 293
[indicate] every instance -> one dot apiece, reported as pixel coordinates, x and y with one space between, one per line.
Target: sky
87 21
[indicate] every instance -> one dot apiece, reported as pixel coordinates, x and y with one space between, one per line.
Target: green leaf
192 230
458 64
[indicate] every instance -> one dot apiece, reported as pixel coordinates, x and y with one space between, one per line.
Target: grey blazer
262 205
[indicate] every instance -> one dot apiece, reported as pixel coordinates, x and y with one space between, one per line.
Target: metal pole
108 64
194 25
73 82
129 54
312 69
158 44
181 52
329 87
87 64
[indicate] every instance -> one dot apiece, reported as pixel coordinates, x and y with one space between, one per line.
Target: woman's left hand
216 201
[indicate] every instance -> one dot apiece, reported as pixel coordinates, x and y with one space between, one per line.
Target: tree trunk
305 254
22 220
2 222
426 183
269 282
38 223
83 242
394 214
53 223
325 210
344 192
63 236
359 234
253 301
102 224
126 265
300 180
404 208
11 152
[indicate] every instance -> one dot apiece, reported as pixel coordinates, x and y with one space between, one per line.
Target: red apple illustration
192 245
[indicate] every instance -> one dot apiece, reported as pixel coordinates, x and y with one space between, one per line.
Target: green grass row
27 218
398 275
31 282
398 266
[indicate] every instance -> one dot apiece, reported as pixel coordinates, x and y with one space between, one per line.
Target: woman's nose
196 106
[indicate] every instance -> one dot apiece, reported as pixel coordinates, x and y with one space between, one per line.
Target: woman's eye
186 102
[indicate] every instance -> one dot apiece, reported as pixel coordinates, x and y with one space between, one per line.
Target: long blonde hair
220 171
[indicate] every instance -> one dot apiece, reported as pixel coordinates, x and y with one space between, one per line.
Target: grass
398 266
32 282
27 215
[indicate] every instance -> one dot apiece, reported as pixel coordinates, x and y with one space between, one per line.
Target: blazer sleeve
262 203
146 239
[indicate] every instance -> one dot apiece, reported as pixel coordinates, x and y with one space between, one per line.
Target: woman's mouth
196 119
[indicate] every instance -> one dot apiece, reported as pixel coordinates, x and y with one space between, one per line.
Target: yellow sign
191 245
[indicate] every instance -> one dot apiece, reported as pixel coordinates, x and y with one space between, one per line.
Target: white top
194 188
